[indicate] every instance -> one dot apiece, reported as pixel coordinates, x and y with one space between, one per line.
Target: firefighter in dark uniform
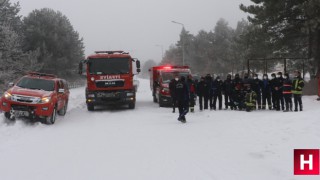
266 92
192 90
246 81
238 91
208 97
273 83
228 90
297 86
256 87
287 92
172 89
280 93
182 95
202 92
217 92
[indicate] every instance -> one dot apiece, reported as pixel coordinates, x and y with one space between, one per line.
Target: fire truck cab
109 77
160 77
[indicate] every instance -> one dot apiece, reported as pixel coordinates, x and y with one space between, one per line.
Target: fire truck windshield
168 76
109 66
38 84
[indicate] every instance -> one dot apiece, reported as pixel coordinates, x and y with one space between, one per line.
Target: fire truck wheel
90 107
63 111
155 99
160 102
132 105
51 119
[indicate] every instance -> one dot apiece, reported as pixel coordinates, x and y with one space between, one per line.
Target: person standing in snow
227 91
238 92
297 86
280 91
182 95
318 86
202 92
266 92
217 92
256 87
172 89
192 90
287 92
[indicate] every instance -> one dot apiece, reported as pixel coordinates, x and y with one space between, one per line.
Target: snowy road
148 143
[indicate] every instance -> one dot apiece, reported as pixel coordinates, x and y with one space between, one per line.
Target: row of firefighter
277 91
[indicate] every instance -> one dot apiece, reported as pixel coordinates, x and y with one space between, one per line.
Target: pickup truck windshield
109 66
168 76
38 84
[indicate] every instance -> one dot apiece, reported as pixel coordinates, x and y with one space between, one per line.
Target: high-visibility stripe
287 92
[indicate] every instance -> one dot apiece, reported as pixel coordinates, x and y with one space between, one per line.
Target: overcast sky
137 26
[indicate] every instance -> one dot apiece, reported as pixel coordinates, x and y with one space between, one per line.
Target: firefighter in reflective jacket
250 99
287 92
297 86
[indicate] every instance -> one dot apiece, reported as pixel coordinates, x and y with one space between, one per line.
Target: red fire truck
109 79
160 77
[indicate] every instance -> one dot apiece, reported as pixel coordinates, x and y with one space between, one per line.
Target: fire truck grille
104 84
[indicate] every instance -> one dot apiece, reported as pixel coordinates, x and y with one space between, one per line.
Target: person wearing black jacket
192 92
238 91
266 92
217 92
246 82
273 84
203 93
208 98
172 89
287 92
182 95
228 91
256 87
280 91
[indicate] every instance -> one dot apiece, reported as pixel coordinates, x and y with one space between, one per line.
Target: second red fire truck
160 77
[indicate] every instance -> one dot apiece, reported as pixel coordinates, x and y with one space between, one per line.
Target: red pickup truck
37 96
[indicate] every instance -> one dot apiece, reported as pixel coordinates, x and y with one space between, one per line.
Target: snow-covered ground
148 143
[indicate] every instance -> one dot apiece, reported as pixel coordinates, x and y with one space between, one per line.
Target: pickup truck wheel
63 111
51 119
132 105
8 115
90 107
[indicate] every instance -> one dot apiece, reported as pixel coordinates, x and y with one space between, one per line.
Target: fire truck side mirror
138 66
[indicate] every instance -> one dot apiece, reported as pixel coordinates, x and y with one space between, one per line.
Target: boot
300 107
174 110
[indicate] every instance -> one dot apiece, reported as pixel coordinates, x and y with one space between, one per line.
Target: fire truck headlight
130 94
92 79
165 90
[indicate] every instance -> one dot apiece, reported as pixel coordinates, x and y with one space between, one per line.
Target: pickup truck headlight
7 95
45 99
